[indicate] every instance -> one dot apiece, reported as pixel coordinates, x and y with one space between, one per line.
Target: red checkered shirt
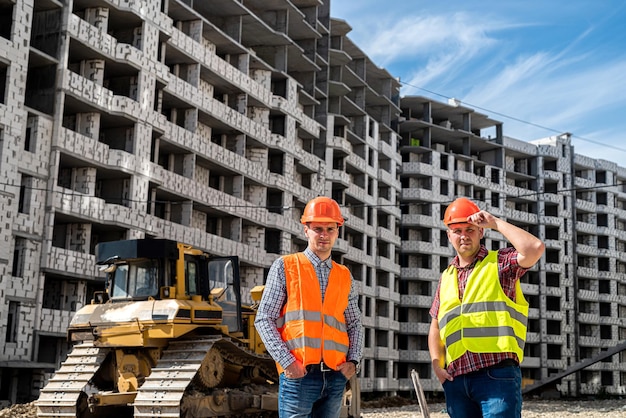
509 272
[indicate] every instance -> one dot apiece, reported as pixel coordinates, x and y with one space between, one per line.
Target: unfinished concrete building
214 122
577 292
211 123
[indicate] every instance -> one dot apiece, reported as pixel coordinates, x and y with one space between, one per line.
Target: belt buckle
324 367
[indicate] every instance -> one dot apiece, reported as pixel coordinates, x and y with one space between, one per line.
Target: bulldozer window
146 283
221 275
191 276
119 285
138 280
222 272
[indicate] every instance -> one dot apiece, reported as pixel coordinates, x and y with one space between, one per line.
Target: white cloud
562 69
424 37
556 95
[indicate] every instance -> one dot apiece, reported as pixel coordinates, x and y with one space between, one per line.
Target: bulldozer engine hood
150 317
112 313
149 311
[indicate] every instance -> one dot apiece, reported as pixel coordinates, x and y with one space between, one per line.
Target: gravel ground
614 408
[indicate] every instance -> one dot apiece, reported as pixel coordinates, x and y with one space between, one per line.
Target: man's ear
482 233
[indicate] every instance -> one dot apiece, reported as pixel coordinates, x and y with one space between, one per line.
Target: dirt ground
20 410
606 408
613 408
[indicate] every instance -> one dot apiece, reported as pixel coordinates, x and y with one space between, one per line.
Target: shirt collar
316 260
482 253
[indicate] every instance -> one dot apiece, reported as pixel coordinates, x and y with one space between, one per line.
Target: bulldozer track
235 353
163 391
60 396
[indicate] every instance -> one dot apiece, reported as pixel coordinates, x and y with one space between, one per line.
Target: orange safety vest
314 331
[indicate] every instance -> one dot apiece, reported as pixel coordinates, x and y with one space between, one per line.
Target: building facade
214 123
211 123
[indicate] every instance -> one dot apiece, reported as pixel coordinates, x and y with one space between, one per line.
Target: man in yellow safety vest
479 315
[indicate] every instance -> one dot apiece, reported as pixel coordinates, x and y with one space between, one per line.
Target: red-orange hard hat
459 211
322 209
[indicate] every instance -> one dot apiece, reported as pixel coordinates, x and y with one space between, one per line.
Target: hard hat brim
321 219
457 221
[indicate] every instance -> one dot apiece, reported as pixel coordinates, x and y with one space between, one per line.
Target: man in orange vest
479 315
310 321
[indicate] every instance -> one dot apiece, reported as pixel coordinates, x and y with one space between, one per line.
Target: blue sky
559 65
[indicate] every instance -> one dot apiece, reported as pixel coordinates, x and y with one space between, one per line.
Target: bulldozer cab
164 269
136 269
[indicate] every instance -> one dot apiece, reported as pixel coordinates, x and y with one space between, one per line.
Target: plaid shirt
509 272
275 296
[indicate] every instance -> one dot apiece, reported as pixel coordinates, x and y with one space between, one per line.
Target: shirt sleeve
509 271
434 307
272 301
353 324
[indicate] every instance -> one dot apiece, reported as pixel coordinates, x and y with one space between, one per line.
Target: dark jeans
488 393
317 395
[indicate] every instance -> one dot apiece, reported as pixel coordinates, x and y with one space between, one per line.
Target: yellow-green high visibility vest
486 320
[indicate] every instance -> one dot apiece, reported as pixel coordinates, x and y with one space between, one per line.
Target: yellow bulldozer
168 337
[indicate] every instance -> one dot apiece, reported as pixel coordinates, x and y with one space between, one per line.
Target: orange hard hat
459 211
322 209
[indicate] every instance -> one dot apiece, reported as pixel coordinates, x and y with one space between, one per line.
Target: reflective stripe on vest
487 320
314 331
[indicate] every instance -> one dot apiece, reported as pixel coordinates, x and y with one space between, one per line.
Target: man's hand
529 248
348 369
483 219
441 373
295 370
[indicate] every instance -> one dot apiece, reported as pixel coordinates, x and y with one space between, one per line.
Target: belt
321 367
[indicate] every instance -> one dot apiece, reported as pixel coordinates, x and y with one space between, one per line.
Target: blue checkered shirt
275 297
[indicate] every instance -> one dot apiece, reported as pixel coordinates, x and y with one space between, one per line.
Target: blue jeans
316 395
488 393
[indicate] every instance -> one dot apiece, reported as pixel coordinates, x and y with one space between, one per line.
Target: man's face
321 236
465 238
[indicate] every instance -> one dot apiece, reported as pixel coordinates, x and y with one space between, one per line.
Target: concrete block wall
188 112
22 169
